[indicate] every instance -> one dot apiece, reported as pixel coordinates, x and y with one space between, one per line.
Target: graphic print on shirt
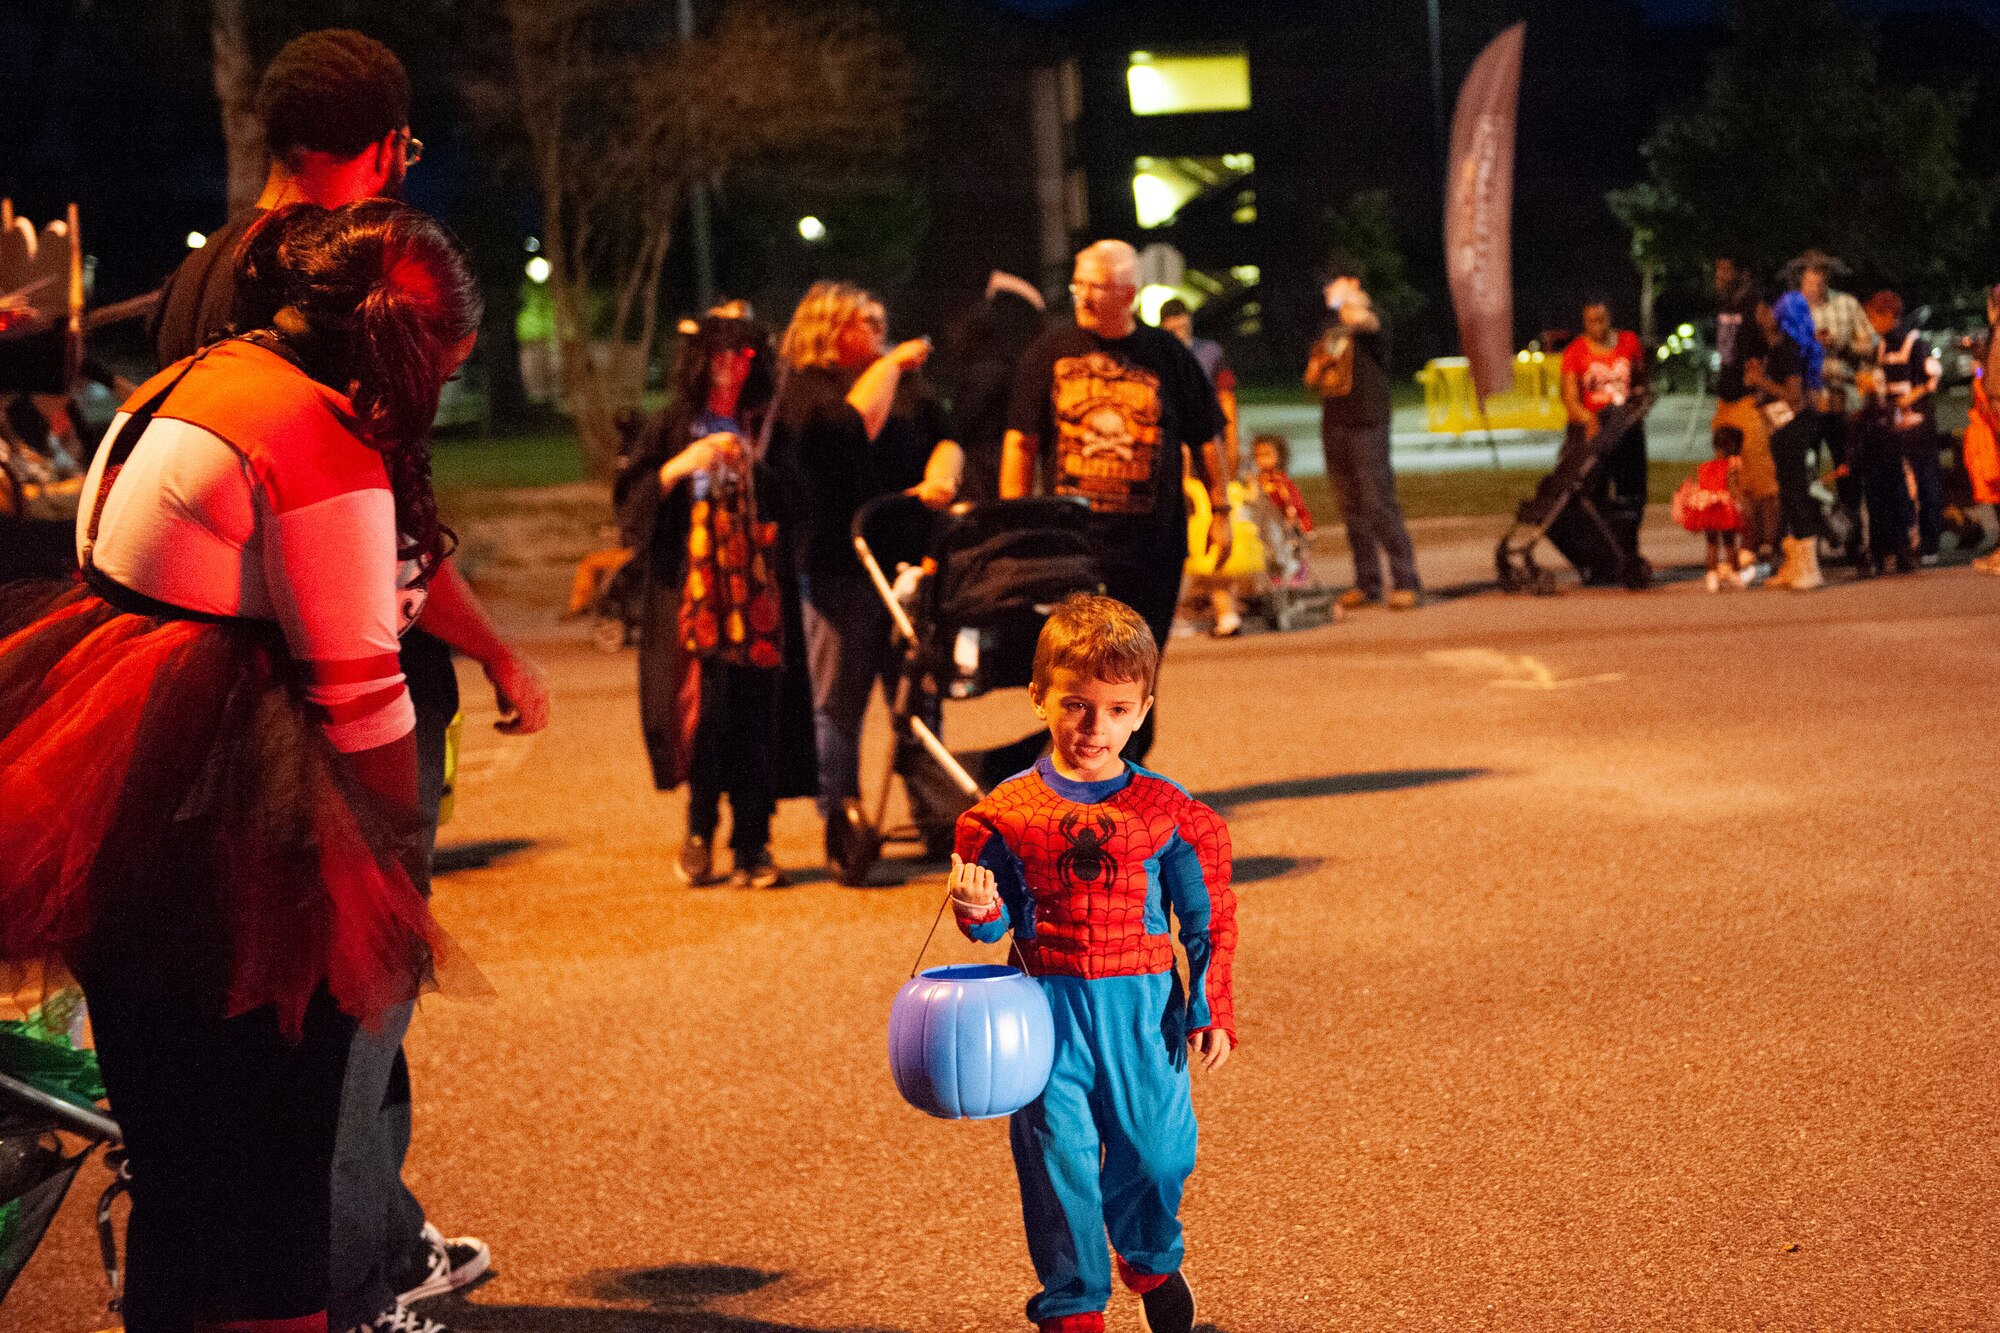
1107 420
1087 858
1607 383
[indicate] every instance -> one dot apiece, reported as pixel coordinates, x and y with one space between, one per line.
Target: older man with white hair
1106 404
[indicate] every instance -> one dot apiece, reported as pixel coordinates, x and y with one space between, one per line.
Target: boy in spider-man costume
1083 857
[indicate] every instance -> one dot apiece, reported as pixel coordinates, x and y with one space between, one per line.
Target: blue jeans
1357 464
377 1224
849 646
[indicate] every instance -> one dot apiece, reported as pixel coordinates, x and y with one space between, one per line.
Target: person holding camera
1349 370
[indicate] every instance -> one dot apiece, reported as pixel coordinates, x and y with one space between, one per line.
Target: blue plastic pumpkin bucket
971 1042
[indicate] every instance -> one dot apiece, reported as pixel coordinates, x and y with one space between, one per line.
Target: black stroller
1599 537
968 595
42 1094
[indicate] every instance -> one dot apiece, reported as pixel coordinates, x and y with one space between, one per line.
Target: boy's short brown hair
1098 637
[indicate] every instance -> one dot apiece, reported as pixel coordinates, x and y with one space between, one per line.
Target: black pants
1836 436
1364 482
230 1130
1146 576
1879 461
1920 451
1790 446
735 745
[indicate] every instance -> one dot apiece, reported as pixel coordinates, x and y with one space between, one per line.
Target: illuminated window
1169 85
1163 186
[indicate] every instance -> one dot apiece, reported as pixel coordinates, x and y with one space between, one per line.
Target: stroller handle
92 1124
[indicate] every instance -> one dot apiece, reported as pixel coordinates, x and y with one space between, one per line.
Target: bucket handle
1013 945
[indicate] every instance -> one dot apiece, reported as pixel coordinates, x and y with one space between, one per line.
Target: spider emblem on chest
1086 858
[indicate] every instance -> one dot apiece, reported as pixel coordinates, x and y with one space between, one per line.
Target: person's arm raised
874 393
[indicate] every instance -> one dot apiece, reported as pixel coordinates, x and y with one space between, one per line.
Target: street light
811 228
538 270
196 240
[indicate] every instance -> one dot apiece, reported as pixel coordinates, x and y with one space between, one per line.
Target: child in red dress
1273 456
1708 503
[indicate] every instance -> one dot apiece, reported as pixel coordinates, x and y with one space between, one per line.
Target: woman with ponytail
207 778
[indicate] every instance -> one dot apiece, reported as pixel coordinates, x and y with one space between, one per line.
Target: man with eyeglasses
335 106
1107 404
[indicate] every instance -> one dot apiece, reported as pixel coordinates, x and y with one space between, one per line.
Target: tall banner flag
1478 211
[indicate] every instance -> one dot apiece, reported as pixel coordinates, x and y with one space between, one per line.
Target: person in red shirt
1602 369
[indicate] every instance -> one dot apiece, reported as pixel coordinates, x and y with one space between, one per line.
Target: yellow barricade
1534 403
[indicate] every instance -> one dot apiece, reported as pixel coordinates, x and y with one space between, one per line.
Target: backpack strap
121 450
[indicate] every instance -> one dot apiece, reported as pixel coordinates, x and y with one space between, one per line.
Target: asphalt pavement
1609 961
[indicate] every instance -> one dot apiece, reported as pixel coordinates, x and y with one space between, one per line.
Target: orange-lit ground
1609 962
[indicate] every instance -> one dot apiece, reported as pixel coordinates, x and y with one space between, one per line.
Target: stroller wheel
608 634
853 845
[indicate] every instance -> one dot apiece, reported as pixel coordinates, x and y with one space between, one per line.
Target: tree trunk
235 75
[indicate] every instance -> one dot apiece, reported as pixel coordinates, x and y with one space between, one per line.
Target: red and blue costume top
1087 873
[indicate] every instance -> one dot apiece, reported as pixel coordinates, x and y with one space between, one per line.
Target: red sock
1136 1282
1091 1321
305 1323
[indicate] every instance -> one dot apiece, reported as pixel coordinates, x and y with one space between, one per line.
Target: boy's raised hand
971 883
1213 1046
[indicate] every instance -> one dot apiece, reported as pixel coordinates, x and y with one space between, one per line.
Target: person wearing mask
234 871
858 423
720 618
1107 404
335 108
1349 370
1847 343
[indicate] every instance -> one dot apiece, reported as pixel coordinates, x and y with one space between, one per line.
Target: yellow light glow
196 240
1685 330
811 228
1162 85
538 269
1247 274
1155 199
1152 297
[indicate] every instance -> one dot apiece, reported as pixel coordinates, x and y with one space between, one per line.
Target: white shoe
454 1264
1227 624
1715 580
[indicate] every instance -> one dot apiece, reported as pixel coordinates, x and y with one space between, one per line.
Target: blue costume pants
1110 1142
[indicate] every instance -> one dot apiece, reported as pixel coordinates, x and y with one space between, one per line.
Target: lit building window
1170 85
1163 186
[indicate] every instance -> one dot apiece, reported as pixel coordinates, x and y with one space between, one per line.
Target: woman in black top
858 424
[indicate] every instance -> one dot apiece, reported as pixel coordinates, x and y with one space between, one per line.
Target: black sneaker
1169 1307
696 863
758 871
451 1264
400 1320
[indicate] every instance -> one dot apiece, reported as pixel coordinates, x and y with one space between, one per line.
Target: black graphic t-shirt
1111 415
1738 340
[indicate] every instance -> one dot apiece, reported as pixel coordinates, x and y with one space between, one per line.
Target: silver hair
1115 259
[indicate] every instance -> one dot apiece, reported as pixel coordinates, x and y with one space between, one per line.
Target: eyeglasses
413 149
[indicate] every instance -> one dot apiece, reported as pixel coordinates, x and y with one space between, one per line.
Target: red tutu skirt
167 803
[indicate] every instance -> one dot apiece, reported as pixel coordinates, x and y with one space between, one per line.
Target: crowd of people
1812 372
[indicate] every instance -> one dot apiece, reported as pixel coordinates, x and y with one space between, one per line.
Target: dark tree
1796 140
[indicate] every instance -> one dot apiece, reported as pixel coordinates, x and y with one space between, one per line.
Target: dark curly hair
374 300
333 91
